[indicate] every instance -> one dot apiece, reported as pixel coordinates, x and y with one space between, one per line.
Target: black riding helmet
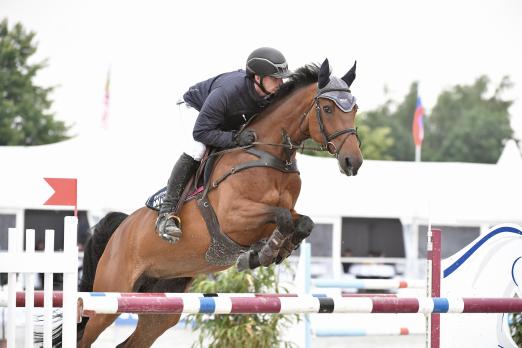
267 61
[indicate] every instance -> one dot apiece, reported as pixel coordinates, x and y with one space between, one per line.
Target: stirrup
172 216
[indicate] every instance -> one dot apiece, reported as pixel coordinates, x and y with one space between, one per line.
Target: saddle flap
154 201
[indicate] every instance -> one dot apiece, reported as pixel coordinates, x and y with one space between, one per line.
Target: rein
327 138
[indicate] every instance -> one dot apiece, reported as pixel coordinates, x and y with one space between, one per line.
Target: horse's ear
324 74
350 75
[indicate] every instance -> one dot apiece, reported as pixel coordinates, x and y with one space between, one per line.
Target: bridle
327 138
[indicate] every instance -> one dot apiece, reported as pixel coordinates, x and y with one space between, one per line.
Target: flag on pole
65 192
418 125
106 99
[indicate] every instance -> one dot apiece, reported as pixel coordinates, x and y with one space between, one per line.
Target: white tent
119 171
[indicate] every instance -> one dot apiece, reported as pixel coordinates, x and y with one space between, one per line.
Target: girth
223 251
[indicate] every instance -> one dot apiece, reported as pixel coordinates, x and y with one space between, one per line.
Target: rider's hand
246 138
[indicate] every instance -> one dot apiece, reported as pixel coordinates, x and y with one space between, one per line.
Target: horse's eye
327 109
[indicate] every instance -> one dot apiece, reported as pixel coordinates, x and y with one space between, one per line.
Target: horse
490 266
259 184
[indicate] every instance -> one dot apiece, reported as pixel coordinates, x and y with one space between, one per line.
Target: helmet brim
281 74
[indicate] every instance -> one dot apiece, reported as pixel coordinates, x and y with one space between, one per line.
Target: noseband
327 138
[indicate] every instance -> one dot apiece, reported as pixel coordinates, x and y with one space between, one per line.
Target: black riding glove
246 138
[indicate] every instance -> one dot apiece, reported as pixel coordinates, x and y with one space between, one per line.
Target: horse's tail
94 248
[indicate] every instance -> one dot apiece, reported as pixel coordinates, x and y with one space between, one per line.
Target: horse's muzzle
349 165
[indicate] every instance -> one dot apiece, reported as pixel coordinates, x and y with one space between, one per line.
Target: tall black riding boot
168 225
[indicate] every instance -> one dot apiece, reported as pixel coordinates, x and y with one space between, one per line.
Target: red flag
65 192
106 100
418 126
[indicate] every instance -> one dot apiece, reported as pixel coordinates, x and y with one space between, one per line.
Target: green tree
395 121
25 118
375 143
468 126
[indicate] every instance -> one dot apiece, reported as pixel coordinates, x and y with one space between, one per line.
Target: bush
239 330
516 328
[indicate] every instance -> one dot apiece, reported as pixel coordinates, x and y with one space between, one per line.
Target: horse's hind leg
97 324
95 327
115 272
151 326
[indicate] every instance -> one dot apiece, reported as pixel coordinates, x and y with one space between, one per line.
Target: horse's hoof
248 260
243 262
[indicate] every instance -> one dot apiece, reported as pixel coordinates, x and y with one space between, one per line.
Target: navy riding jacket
225 103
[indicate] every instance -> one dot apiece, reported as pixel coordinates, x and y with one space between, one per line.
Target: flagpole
106 100
417 153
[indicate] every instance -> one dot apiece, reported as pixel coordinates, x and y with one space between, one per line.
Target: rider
220 106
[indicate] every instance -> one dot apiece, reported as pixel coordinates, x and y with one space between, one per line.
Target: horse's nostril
348 162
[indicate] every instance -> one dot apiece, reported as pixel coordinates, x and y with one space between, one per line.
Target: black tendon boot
168 225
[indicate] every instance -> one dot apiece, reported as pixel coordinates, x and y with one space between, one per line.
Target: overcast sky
156 49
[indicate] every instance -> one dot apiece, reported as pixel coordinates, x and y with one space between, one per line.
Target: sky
155 50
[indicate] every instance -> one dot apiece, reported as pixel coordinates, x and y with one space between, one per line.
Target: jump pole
56 297
304 304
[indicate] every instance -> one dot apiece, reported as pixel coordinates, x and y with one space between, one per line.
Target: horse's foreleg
303 227
268 252
284 229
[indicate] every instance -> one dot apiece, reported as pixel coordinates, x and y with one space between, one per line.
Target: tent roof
119 171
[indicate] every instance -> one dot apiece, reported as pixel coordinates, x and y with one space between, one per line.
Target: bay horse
253 194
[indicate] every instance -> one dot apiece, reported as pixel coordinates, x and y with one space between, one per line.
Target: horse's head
334 124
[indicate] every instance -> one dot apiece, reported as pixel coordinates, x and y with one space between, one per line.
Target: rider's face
270 83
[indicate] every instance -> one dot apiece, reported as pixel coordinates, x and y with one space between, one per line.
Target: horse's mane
301 77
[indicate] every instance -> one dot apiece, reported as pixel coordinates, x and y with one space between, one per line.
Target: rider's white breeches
191 147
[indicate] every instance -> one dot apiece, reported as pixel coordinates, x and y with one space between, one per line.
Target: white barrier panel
15 260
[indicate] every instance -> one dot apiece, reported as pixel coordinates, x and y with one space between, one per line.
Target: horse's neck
288 115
